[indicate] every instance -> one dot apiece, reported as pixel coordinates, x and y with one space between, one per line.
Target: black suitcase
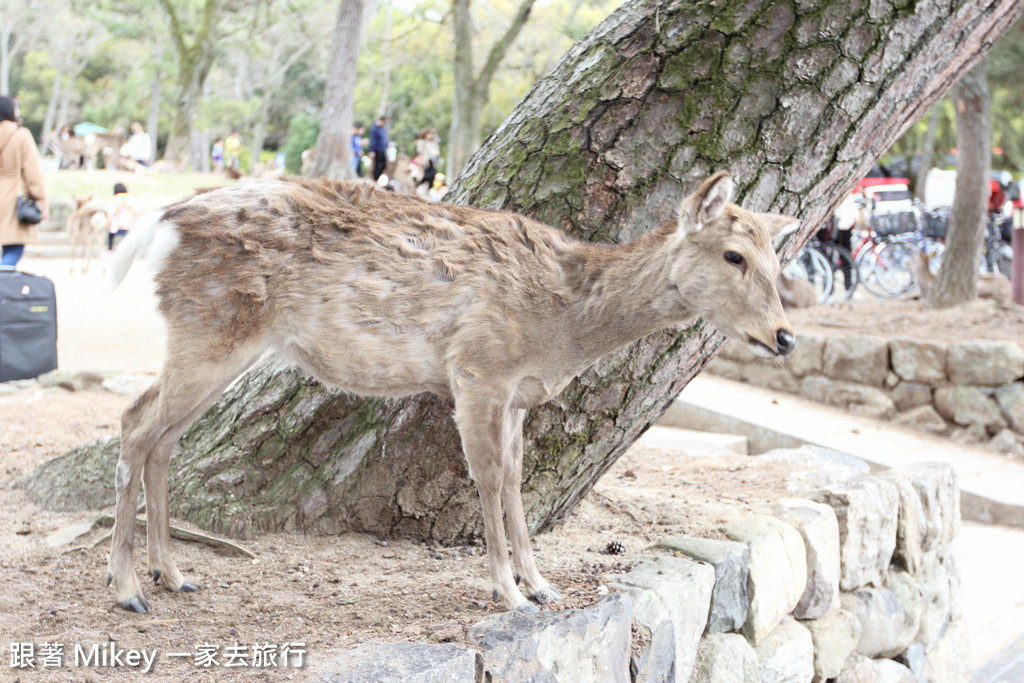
28 325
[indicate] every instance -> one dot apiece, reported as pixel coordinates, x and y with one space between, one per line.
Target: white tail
146 240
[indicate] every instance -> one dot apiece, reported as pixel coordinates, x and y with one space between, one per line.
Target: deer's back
345 276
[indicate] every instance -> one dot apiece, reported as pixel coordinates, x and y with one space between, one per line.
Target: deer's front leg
527 575
482 424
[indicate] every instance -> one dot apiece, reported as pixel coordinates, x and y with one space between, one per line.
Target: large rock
577 645
730 560
925 418
402 663
860 669
936 613
815 388
971 407
949 660
910 529
774 377
867 509
861 399
786 655
1011 402
819 528
675 589
1008 442
863 360
918 361
807 358
836 635
907 395
889 617
657 662
812 458
985 362
937 487
725 658
778 571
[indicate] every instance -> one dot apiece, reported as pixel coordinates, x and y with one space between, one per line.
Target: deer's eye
734 258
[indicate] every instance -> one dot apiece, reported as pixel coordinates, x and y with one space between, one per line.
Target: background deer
85 225
388 295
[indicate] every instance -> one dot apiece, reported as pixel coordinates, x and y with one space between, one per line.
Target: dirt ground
327 594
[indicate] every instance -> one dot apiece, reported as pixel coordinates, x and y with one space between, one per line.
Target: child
120 217
218 155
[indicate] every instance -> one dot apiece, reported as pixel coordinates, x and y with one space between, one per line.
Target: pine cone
615 548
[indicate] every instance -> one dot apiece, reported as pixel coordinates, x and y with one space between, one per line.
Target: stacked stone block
854 578
972 391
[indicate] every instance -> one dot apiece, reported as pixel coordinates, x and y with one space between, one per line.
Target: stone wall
971 391
852 579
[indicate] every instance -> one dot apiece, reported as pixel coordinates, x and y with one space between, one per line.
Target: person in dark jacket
379 146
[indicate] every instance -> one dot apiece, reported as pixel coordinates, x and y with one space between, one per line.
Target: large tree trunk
333 144
957 280
658 96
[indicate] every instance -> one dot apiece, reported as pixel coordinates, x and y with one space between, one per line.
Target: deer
385 294
84 225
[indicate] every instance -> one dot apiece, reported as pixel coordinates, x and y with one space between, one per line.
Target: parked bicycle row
888 252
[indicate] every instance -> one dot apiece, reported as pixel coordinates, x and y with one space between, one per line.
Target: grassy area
150 190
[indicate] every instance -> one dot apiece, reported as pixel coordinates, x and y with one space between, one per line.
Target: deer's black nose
785 342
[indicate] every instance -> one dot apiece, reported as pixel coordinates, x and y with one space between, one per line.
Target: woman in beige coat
15 141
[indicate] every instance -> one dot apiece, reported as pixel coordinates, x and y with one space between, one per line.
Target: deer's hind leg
527 575
150 427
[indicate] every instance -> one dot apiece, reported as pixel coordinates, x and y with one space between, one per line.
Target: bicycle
884 255
845 275
811 265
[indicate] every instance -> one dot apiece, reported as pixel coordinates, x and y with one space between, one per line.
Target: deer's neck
625 292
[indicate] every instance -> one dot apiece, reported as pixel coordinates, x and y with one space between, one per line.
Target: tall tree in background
796 108
472 88
957 280
333 151
19 30
195 42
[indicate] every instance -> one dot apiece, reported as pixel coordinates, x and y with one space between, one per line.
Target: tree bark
654 99
333 144
957 280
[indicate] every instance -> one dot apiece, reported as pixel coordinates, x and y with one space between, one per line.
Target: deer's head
727 267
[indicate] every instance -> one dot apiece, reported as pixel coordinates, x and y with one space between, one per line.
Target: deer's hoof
546 596
188 587
527 607
136 603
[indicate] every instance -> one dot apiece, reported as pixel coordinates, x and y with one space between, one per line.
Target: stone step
992 485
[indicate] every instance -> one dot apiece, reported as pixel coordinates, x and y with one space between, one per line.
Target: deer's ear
779 227
706 204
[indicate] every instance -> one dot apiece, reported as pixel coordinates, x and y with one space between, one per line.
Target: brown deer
85 226
388 295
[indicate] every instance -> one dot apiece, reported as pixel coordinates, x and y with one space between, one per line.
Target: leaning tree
796 98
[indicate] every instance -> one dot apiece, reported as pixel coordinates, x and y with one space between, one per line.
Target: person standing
218 155
357 149
139 147
232 150
20 172
379 146
120 217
